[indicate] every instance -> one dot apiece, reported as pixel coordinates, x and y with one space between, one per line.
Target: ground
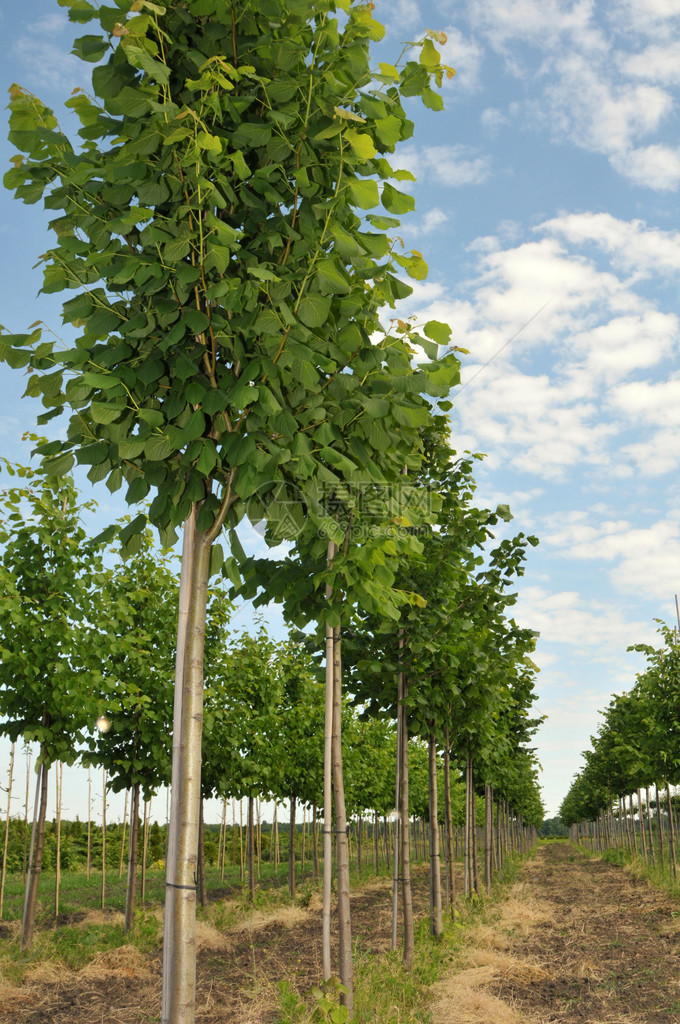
576 941
579 941
239 966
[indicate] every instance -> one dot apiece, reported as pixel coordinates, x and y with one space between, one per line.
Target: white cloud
596 628
433 220
632 245
49 66
626 343
657 455
646 559
457 165
650 402
595 112
562 350
656 167
492 119
655 17
591 84
545 23
654 63
397 15
449 165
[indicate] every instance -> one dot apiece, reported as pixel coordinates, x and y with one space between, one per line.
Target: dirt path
578 942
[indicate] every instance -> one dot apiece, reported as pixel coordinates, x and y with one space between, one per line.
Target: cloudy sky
546 207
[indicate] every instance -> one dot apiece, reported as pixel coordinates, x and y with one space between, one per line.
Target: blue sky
546 196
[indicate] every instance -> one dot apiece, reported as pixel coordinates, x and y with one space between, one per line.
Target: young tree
48 568
226 293
135 631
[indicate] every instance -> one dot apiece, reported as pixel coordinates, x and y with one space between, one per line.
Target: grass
383 991
660 877
92 941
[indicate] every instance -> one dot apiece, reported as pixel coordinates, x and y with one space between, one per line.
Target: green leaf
157 448
314 309
330 279
395 201
60 466
106 412
90 48
361 144
211 143
432 100
389 71
429 57
364 192
438 331
140 59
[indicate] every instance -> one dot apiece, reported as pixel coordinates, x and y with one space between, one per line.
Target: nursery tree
226 292
47 571
135 631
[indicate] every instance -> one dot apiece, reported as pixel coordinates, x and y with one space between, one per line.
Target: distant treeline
74 843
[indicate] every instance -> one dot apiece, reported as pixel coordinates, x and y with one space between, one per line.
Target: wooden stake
59 777
28 783
122 842
103 893
145 846
6 842
89 821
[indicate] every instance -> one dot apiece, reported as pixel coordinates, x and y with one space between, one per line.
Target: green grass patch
385 993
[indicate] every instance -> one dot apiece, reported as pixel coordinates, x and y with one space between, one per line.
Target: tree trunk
632 823
671 833
291 848
240 841
649 827
89 822
469 884
376 849
304 835
475 843
133 842
659 827
488 834
315 839
145 846
122 842
222 841
328 787
6 840
359 843
103 889
250 845
342 851
406 893
435 867
35 860
58 778
450 874
179 953
202 888
173 1003
24 862
397 817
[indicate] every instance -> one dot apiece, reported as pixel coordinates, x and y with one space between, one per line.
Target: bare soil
578 942
238 972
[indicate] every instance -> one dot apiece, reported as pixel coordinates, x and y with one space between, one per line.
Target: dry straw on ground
124 962
461 997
